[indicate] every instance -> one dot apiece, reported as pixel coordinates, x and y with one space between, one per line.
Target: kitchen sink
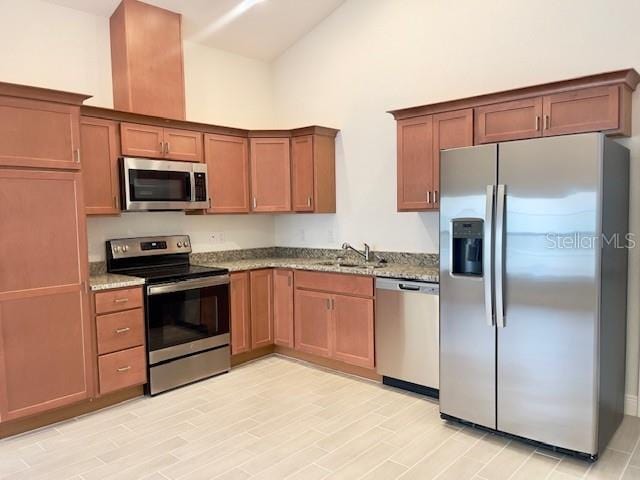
349 265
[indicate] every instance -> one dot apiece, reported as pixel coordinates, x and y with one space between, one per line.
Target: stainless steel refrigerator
533 288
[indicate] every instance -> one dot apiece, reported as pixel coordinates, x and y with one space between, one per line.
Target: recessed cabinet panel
182 145
142 140
415 163
240 312
227 160
354 341
302 173
586 110
100 143
313 323
270 175
39 134
283 307
261 308
515 120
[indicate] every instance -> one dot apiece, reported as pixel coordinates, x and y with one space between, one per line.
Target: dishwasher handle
408 286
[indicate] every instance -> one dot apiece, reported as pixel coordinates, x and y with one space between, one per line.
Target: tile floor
278 418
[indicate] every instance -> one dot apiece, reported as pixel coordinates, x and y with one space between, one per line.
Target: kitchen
265 95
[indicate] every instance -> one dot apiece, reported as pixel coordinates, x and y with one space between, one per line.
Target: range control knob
117 249
125 248
179 244
186 244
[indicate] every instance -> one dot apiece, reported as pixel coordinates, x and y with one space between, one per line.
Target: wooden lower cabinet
240 312
283 307
353 319
120 339
332 324
261 308
313 322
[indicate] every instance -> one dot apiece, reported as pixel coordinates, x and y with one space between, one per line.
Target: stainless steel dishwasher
407 334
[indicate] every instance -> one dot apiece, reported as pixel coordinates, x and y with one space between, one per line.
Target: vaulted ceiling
260 29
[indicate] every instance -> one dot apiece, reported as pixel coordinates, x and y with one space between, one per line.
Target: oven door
157 185
187 317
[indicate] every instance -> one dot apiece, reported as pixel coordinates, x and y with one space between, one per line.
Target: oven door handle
188 285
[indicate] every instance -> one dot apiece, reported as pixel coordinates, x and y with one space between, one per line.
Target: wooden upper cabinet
354 340
261 308
142 140
313 167
182 145
227 160
514 120
46 348
240 310
302 173
586 110
147 61
313 322
270 175
39 134
157 142
283 307
450 130
415 163
100 143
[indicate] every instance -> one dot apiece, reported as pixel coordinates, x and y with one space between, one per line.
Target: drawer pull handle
122 330
124 369
121 300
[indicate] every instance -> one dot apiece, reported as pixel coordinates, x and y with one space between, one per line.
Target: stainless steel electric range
186 309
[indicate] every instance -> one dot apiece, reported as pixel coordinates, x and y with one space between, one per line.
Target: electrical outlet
217 237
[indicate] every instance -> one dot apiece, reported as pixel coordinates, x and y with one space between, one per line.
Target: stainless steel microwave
162 185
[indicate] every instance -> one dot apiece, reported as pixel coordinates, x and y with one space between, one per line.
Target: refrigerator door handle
499 254
487 258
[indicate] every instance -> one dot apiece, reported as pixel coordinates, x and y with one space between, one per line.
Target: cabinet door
39 134
240 313
415 163
45 335
270 175
227 160
313 322
100 151
354 341
586 110
509 121
450 130
283 307
261 308
183 145
142 140
302 173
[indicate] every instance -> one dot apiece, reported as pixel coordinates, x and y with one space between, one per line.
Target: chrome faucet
367 254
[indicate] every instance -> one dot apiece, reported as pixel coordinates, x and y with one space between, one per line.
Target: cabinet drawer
122 369
346 284
120 330
117 300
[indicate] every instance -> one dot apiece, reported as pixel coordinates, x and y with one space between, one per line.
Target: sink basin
348 265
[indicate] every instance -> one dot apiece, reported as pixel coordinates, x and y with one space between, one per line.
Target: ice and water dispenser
467 247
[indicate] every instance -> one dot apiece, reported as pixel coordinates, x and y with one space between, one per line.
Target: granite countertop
107 281
420 267
391 270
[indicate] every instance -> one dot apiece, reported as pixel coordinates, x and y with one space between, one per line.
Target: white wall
55 47
371 56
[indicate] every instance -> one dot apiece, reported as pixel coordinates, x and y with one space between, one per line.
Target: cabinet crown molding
39 93
628 78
